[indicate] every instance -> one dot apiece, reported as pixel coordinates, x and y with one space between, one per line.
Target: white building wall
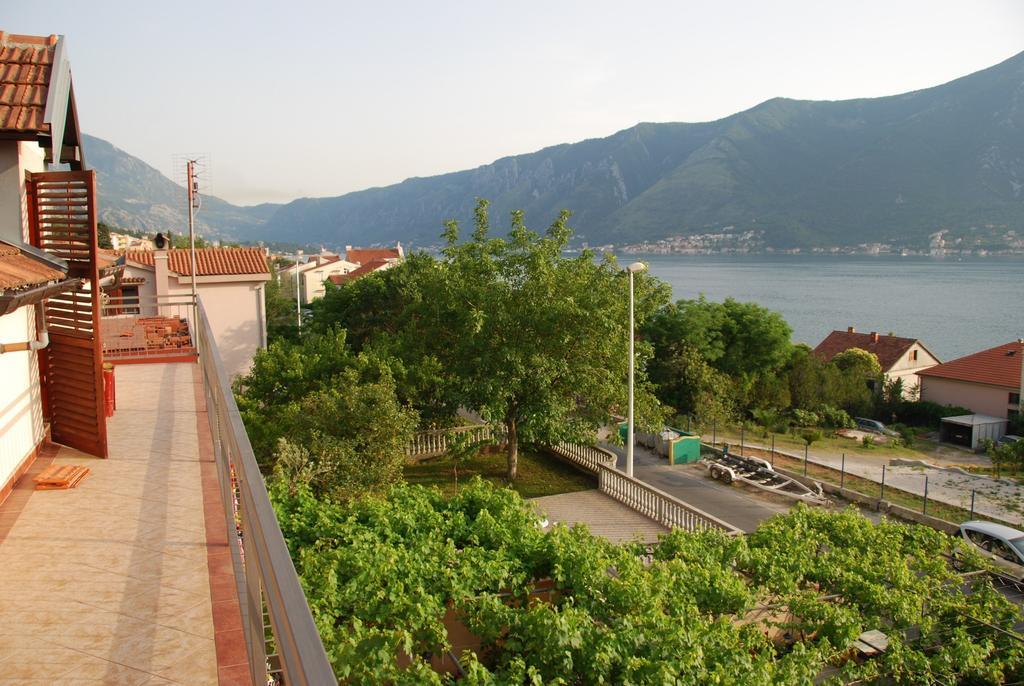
313 279
16 157
907 368
21 410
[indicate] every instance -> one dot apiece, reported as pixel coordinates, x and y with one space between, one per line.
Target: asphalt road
688 483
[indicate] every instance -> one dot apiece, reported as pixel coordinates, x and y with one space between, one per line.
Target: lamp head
636 267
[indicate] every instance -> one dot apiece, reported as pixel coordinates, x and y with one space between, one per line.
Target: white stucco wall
234 307
979 398
21 410
907 369
313 279
16 157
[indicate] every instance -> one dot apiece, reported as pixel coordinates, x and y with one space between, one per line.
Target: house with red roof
230 282
987 382
899 357
39 275
314 271
367 261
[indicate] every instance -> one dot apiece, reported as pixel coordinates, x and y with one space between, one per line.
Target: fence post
882 495
806 446
687 422
924 510
773 449
742 431
972 502
714 431
842 472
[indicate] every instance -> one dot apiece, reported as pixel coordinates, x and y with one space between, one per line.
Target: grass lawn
540 474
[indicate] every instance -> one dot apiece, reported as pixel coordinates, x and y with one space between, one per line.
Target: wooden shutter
62 221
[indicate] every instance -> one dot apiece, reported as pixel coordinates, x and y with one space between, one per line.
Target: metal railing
267 582
436 442
649 501
144 326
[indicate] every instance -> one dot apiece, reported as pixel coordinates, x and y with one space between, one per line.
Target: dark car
874 426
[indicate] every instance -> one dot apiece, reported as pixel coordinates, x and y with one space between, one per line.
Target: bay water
955 306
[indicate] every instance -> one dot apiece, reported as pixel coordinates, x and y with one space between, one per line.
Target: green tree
748 343
279 306
103 236
687 383
854 385
342 409
533 339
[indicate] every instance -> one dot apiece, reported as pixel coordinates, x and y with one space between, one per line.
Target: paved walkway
688 483
110 582
603 515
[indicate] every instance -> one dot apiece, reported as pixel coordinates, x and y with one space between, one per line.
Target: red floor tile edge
229 639
21 487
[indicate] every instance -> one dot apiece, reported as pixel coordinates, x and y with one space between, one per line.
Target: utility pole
192 187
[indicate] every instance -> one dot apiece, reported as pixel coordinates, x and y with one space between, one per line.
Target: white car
1001 544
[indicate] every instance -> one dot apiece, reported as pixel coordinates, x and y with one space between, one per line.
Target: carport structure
969 430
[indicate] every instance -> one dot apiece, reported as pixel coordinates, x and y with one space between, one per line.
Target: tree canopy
508 327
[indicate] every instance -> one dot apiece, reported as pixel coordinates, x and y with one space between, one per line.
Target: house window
130 299
913 356
1014 399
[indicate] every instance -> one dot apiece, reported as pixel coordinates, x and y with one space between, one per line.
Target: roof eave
9 302
57 100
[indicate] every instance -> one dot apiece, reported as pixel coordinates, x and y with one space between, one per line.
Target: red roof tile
25 63
367 255
889 349
18 269
372 266
998 366
209 261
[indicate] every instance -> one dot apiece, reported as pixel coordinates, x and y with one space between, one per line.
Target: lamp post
632 269
298 303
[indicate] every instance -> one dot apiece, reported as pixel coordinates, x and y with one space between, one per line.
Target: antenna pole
192 187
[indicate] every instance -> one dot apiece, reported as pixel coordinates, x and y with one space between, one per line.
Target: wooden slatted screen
62 221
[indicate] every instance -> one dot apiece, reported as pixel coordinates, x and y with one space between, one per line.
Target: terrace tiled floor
110 582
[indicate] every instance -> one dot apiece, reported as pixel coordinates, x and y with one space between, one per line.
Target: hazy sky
291 99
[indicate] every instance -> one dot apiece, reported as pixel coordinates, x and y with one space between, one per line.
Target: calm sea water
955 307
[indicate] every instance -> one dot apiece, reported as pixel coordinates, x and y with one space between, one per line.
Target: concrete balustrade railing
644 498
436 442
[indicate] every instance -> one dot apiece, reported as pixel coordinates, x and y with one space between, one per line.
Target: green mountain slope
134 195
893 169
806 173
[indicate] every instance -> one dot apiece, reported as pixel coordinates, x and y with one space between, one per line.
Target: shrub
868 442
926 413
806 418
836 418
810 436
906 434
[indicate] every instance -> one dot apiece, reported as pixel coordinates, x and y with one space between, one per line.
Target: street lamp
298 302
632 269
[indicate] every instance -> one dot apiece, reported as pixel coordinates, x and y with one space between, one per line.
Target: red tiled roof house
229 281
986 382
899 357
38 125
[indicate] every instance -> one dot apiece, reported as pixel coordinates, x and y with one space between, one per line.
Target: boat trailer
760 474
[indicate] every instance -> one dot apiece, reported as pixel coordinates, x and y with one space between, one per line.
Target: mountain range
799 173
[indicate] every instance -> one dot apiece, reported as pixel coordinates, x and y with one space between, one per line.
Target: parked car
1008 439
874 426
1001 544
